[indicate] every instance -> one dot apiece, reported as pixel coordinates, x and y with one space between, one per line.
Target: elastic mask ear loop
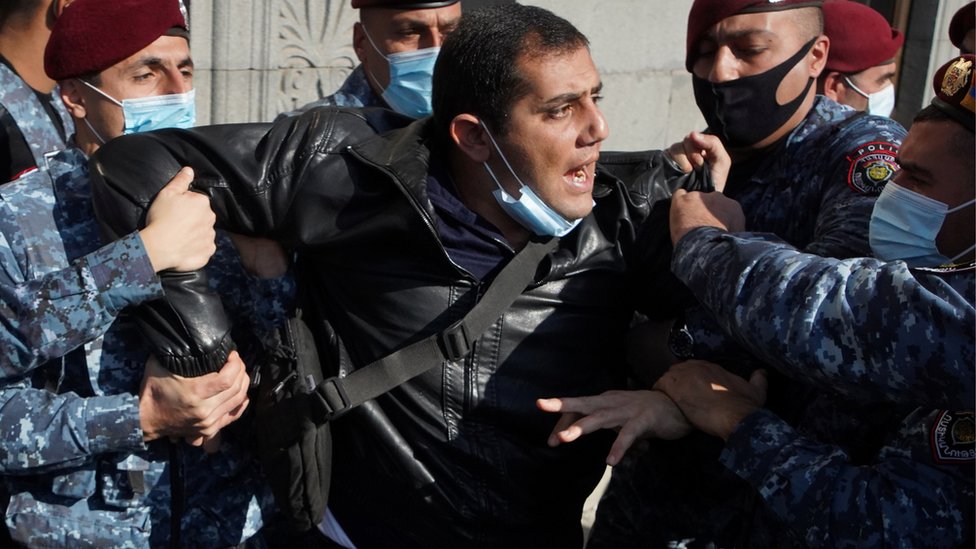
369 72
959 256
961 206
502 155
103 94
956 209
97 135
857 89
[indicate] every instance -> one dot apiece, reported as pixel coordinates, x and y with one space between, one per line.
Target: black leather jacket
456 457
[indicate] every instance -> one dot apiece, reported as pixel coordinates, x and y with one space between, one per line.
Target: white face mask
881 102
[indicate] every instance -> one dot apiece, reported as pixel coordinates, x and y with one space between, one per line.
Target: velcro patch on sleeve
953 437
872 165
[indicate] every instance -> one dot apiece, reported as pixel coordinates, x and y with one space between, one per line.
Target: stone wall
638 46
257 58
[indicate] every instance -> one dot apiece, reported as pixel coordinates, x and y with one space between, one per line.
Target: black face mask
744 111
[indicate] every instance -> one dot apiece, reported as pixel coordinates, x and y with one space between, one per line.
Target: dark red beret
400 4
955 93
962 22
705 13
92 35
860 37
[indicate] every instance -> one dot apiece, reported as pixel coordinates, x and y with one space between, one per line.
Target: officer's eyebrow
914 168
742 33
151 61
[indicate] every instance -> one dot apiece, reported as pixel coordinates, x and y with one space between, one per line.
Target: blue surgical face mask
881 102
411 80
529 210
904 226
145 114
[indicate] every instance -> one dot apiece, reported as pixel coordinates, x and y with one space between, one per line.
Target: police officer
396 42
860 67
33 121
804 168
87 423
902 327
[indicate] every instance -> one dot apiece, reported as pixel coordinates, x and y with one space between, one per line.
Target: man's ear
72 97
470 137
819 51
359 42
57 7
833 85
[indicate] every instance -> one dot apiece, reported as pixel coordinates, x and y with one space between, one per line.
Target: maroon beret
962 22
92 35
860 37
705 13
400 4
955 93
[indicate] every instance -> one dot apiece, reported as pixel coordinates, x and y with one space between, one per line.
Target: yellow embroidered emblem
956 76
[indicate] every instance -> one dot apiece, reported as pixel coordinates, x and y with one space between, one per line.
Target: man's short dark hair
809 21
477 70
12 10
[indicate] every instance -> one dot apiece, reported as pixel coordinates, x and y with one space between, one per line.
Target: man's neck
474 189
24 49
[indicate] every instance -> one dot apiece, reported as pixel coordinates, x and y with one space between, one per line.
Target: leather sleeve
252 174
651 178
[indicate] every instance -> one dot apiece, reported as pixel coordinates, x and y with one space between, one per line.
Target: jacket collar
404 154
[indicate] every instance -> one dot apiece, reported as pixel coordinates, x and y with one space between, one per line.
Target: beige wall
638 46
256 58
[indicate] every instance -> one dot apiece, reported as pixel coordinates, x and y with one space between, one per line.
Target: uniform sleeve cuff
753 449
113 424
123 273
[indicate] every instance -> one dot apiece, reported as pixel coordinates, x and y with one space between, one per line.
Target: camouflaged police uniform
876 330
354 92
42 137
879 330
71 447
816 190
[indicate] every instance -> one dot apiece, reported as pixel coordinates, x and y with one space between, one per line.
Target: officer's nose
723 68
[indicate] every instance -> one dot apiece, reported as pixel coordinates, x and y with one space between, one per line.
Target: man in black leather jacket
398 230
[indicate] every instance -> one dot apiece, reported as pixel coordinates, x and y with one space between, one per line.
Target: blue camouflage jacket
815 190
863 327
870 327
916 492
71 448
354 92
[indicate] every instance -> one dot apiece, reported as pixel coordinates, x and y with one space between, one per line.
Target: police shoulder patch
871 166
953 437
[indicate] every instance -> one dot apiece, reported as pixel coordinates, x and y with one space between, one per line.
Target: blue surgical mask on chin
529 210
145 114
411 80
904 225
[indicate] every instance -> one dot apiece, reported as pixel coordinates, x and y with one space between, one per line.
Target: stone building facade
257 58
